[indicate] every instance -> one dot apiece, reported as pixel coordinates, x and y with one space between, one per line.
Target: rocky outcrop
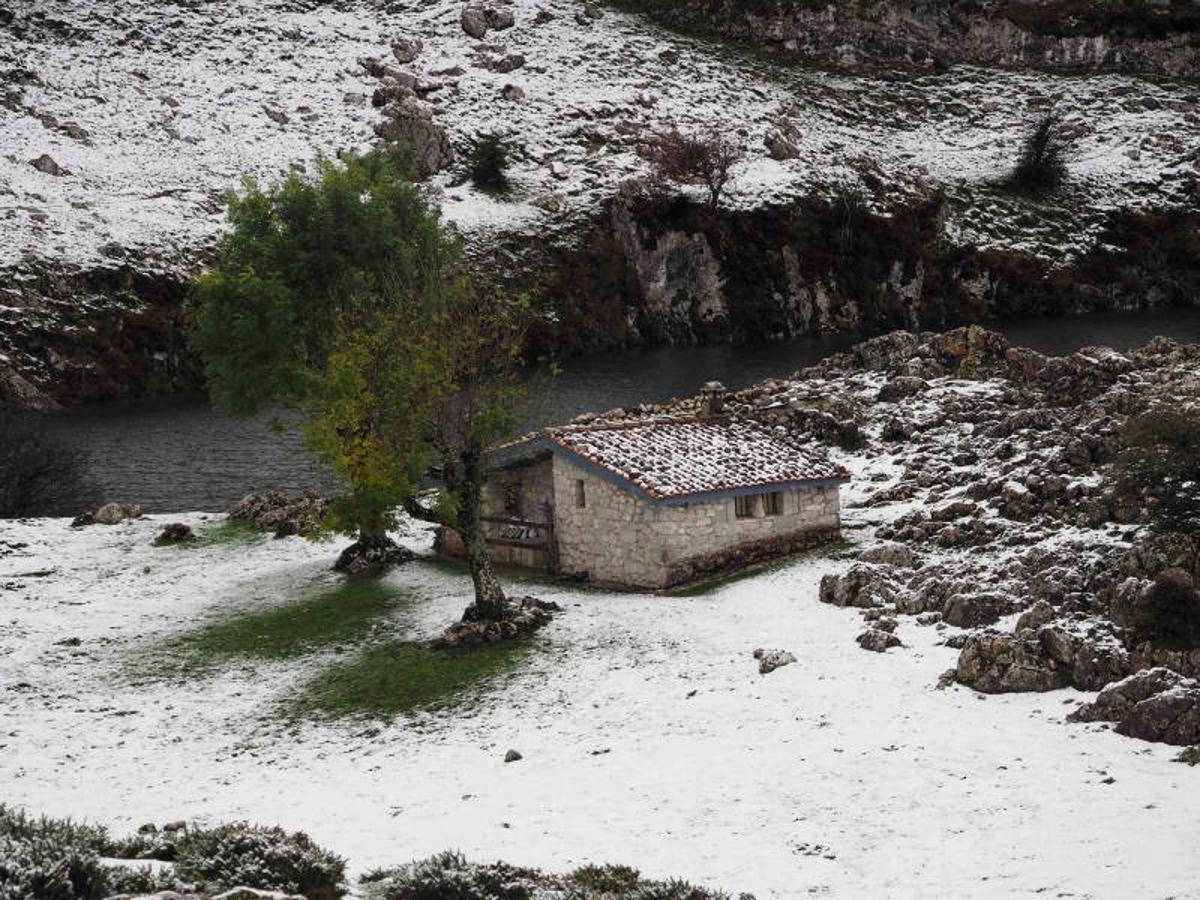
284 515
70 335
931 34
1154 705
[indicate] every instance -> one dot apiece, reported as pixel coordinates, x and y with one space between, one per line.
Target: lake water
176 454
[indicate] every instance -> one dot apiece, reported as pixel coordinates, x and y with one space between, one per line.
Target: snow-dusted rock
891 553
878 640
770 660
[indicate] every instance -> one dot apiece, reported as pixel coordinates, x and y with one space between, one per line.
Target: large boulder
1117 700
1170 717
371 554
862 586
1054 656
974 610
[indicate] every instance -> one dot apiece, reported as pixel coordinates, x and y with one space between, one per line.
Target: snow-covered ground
155 109
648 736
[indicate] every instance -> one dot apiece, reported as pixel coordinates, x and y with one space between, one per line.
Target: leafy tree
342 296
318 287
1161 460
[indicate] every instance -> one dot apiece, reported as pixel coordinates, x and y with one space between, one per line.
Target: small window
772 504
580 493
743 507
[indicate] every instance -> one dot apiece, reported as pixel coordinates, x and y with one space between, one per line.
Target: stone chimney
712 399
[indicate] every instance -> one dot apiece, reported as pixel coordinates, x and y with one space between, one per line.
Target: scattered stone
372 554
46 164
902 387
878 640
108 514
499 19
779 146
508 63
406 50
592 11
770 660
1189 755
522 617
474 22
974 610
512 93
889 553
174 533
513 756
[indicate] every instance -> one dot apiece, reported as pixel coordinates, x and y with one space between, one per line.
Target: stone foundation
749 553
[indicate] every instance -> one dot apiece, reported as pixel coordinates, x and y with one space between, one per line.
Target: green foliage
269 859
321 300
488 164
605 879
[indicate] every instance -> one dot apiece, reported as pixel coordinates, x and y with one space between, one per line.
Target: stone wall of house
616 537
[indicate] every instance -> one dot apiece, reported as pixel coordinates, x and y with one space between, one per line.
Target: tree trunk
489 595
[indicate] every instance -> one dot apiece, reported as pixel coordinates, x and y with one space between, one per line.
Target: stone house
658 502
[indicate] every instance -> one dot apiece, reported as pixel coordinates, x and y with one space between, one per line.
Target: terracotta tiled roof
678 457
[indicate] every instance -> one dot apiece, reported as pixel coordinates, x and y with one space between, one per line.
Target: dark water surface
176 454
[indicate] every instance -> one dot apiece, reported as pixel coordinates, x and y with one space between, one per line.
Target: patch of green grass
229 531
395 677
342 614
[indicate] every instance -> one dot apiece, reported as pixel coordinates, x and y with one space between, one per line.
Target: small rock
46 164
174 533
512 92
406 50
499 19
512 756
474 22
770 660
878 640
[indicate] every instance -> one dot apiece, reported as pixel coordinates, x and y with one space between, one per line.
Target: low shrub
269 859
46 868
449 876
488 164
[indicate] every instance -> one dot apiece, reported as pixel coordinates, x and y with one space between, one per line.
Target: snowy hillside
148 112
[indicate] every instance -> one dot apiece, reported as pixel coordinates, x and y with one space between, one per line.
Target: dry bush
703 158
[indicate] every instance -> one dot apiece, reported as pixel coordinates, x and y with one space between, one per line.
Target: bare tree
704 158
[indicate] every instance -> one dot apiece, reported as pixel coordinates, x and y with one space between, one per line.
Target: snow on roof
674 458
